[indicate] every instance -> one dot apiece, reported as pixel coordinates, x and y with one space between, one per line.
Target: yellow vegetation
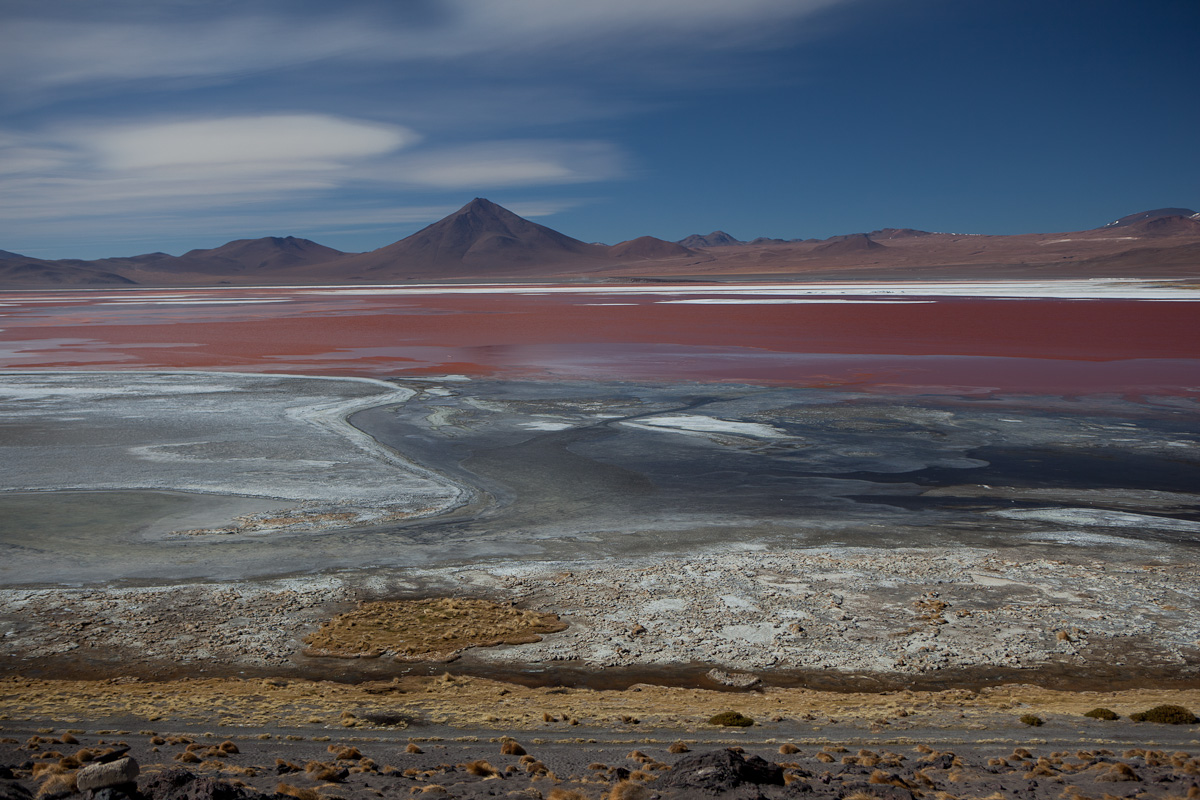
427 630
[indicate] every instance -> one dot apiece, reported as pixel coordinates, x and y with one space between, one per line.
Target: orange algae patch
436 629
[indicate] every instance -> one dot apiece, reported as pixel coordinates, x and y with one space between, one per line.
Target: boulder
720 771
180 784
738 680
101 776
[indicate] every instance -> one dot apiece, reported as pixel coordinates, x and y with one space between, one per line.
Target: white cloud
290 141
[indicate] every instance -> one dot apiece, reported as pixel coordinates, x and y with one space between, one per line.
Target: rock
11 790
116 793
206 788
169 785
113 754
883 791
112 773
738 680
180 784
720 771
389 719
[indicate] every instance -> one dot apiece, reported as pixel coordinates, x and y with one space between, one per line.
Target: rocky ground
157 764
861 610
848 611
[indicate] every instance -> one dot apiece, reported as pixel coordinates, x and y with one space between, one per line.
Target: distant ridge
1147 215
714 239
271 252
850 243
484 241
897 233
648 247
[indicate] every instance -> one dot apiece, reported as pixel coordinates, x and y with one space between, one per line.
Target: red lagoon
929 343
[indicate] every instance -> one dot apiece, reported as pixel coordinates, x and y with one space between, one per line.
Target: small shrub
1102 713
298 792
1032 720
412 749
788 749
511 748
1119 772
57 785
731 719
628 790
679 747
481 769
1166 715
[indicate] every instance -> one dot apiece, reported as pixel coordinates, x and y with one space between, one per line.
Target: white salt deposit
694 423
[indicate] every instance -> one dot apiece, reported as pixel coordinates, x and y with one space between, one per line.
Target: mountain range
484 241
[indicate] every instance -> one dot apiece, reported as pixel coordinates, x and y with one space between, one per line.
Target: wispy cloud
512 163
289 171
43 52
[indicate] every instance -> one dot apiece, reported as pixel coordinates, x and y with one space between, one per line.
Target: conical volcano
480 237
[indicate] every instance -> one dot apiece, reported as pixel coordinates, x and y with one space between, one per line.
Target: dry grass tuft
788 749
67 738
422 630
824 758
1166 715
321 771
679 747
566 794
300 793
511 748
57 785
481 769
1119 773
628 790
413 750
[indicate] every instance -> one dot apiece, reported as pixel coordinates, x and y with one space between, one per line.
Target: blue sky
130 127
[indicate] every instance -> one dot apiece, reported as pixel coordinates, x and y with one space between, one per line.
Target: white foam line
186 302
764 301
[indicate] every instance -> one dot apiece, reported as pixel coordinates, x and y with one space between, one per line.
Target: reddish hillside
648 247
851 243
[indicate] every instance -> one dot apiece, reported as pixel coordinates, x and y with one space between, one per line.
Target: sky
134 126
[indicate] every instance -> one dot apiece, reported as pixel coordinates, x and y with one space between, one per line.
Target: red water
943 344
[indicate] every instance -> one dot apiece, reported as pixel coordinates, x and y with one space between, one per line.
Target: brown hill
271 252
17 271
896 233
648 247
1173 225
850 243
1147 215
